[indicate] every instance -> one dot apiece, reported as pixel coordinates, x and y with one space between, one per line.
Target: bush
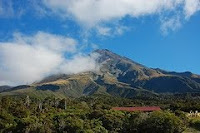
195 123
162 122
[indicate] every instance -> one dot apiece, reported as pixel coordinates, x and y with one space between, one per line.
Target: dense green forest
93 114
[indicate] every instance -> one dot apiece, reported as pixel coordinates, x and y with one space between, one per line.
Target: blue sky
159 34
176 51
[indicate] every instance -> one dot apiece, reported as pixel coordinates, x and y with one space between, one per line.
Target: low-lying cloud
27 59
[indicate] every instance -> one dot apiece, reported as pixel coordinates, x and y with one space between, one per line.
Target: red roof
144 109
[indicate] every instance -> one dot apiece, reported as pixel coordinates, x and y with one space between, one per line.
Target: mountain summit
118 76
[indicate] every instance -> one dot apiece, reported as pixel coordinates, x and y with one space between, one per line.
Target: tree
6 121
133 121
113 120
162 122
74 125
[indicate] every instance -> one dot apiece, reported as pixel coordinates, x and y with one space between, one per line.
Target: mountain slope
4 88
137 75
118 76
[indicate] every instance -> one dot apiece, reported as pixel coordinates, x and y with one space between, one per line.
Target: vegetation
93 114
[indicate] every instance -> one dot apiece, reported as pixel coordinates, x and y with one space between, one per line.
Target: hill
4 88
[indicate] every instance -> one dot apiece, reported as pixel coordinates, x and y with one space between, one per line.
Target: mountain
118 76
156 80
4 88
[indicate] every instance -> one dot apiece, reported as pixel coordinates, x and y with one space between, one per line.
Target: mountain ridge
118 76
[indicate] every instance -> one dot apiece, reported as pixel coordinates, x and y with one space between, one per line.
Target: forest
94 114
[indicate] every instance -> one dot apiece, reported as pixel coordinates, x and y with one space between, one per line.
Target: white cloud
111 31
92 13
191 7
94 46
80 63
119 30
170 24
104 31
30 58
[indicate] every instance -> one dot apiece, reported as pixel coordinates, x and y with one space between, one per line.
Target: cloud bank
104 16
27 59
94 13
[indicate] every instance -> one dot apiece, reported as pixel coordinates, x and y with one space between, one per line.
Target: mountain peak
101 50
105 52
